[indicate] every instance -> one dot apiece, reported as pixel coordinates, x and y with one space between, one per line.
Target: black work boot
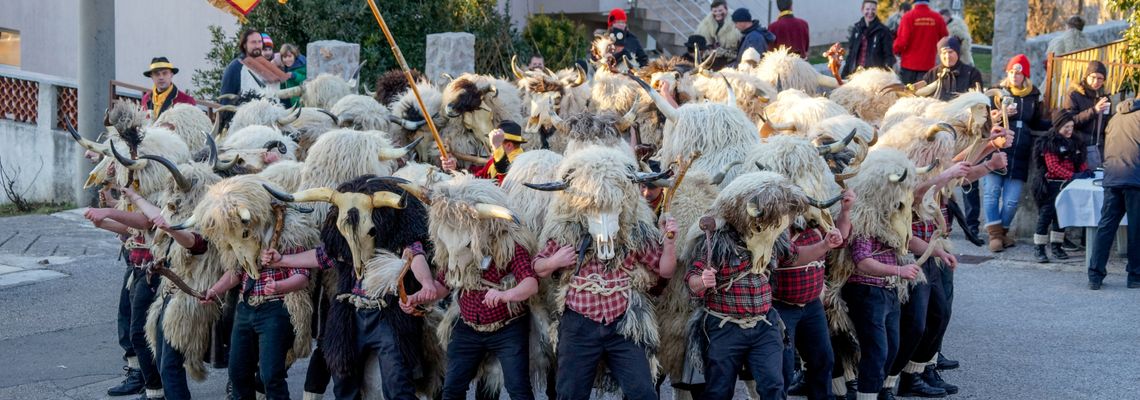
912 385
934 379
131 384
1058 252
885 394
1039 253
797 386
945 364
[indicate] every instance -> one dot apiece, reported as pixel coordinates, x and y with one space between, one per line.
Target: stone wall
451 53
1035 46
332 57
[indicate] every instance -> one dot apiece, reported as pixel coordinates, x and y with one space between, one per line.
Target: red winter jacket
917 43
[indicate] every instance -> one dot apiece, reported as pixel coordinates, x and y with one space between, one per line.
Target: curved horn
932 131
392 154
289 118
352 80
642 177
558 122
706 64
276 145
495 211
385 199
626 120
220 165
183 183
226 108
826 81
244 215
407 125
87 144
928 168
994 92
663 105
897 178
548 187
336 121
753 208
295 91
719 177
928 90
949 128
760 166
322 194
446 76
844 176
515 69
212 145
227 96
836 147
188 223
581 76
824 204
898 88
127 162
731 100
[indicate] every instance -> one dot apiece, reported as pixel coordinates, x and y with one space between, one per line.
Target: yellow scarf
498 155
1021 91
158 99
783 13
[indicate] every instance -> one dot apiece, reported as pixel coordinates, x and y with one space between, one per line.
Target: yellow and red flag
239 8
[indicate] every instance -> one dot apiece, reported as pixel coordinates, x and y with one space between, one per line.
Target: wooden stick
408 75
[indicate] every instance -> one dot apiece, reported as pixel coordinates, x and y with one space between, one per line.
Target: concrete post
1009 34
449 52
96 70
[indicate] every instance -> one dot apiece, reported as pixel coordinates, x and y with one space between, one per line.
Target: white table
1079 205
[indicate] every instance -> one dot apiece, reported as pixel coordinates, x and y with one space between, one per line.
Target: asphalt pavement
1020 329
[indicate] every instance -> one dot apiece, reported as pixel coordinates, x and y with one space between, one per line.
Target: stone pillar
332 57
1009 34
96 70
450 52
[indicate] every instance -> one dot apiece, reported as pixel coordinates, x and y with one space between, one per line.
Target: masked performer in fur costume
271 325
366 328
732 261
485 263
799 277
602 243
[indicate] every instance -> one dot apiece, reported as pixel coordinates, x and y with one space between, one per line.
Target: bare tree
9 180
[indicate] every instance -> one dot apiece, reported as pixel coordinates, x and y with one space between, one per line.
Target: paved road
1021 330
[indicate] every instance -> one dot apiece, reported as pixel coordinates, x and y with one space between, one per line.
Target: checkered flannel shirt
863 248
797 281
924 229
326 262
251 287
471 307
748 294
601 308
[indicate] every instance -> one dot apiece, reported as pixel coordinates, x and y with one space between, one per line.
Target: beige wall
176 29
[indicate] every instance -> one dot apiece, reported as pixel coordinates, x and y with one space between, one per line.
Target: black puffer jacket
1028 118
959 79
879 41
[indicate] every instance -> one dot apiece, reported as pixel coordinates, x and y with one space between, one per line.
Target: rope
595 284
745 323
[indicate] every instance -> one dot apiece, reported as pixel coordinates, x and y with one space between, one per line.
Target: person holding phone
1090 109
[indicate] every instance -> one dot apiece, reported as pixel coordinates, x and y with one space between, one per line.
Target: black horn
640 177
824 204
127 162
279 195
183 183
548 187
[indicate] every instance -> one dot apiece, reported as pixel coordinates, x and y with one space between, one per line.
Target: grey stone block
450 52
332 57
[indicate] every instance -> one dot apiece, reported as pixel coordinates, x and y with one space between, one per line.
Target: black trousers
124 317
1117 201
937 315
915 317
875 313
806 332
377 334
909 76
470 348
170 363
143 289
731 347
583 343
1047 211
262 336
973 205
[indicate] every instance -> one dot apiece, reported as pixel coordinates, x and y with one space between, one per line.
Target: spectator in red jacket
790 31
917 43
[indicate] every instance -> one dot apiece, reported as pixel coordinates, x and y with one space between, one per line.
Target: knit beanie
616 14
1096 67
1018 60
741 15
952 42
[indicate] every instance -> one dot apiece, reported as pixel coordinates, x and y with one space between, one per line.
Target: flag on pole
239 8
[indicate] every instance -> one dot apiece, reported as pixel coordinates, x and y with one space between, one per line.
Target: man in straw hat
164 94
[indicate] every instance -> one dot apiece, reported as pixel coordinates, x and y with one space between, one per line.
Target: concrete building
41 36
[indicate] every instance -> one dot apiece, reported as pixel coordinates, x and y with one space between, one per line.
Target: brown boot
1007 241
996 238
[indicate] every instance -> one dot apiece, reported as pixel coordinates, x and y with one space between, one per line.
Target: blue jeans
376 333
170 362
875 313
805 329
469 348
261 337
1000 198
583 343
731 347
1117 201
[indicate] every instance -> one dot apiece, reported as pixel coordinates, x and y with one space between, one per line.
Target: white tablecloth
1079 204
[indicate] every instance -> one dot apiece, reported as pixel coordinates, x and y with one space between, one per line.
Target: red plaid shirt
326 262
598 307
471 307
1057 168
139 255
250 287
863 248
748 294
924 229
800 281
